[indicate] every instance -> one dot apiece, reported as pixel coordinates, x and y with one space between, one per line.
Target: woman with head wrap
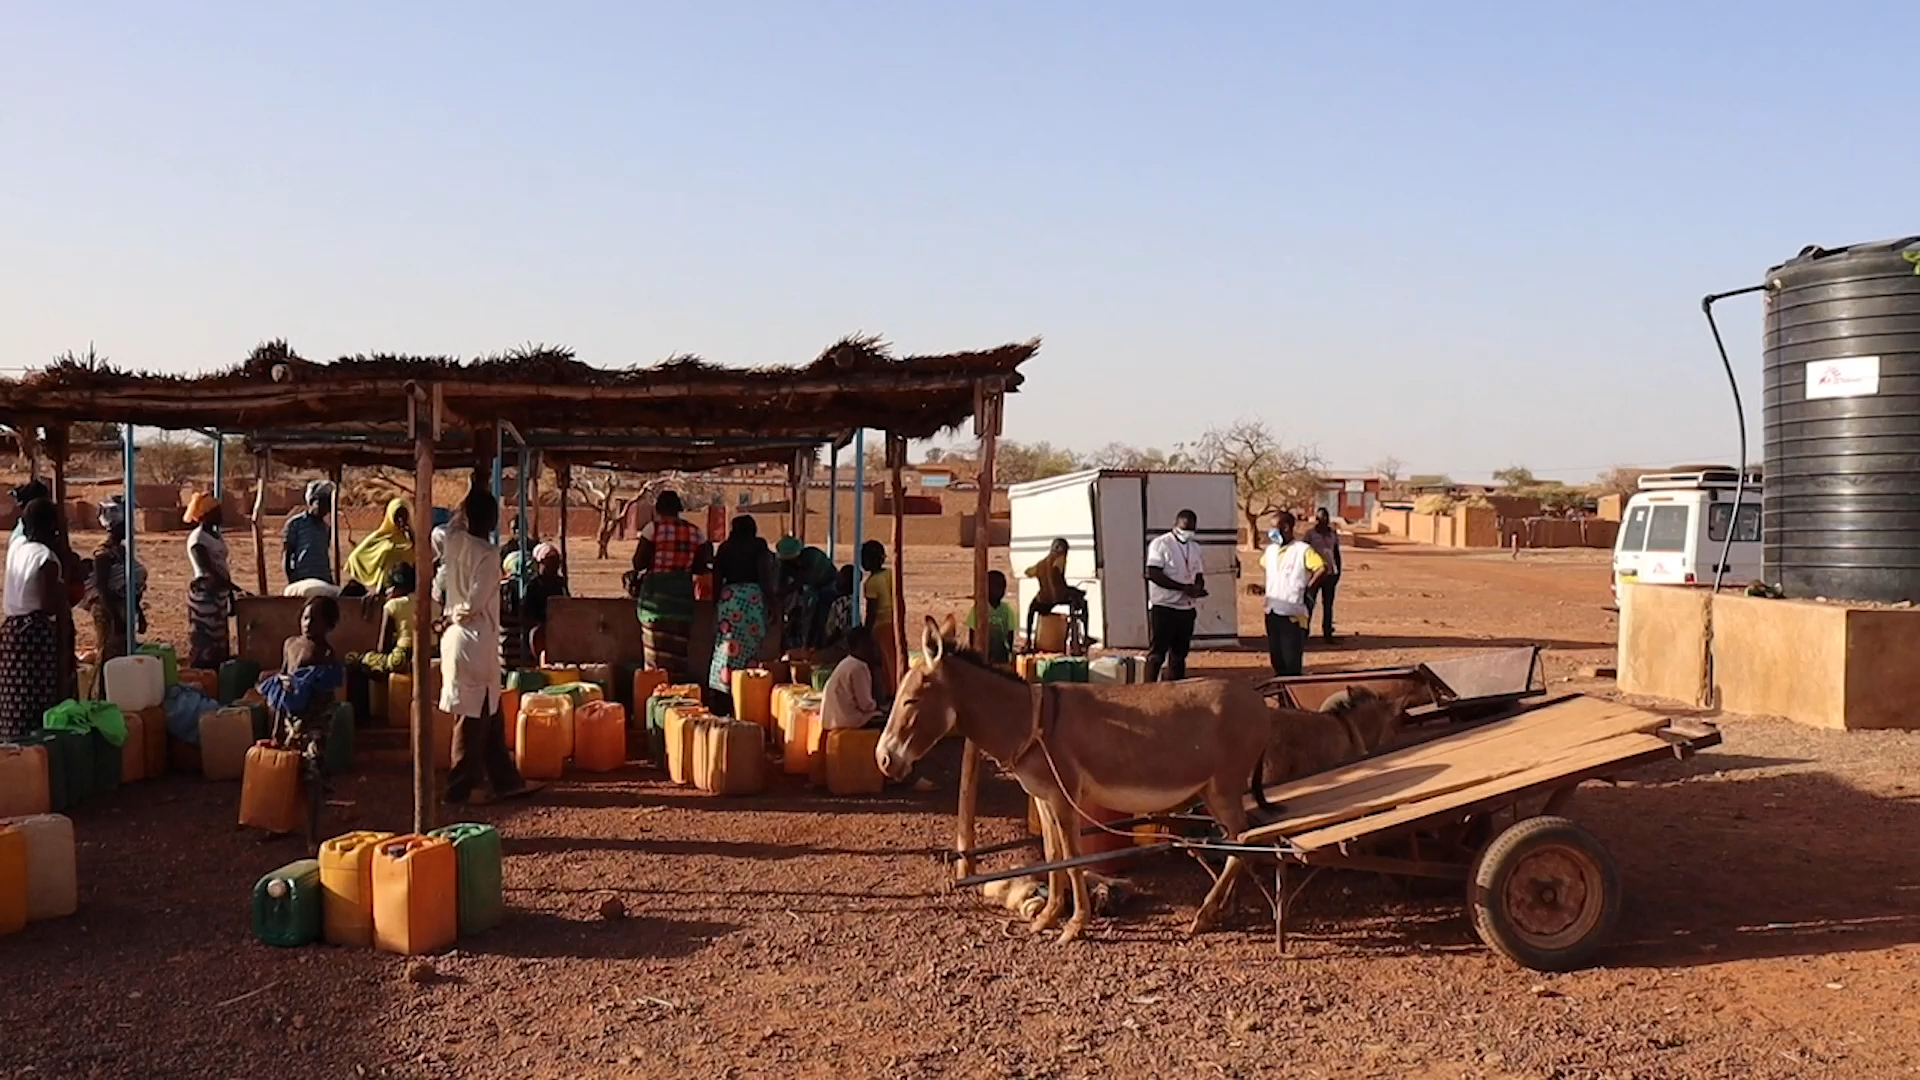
806 578
743 582
210 589
31 671
670 552
305 539
470 682
107 595
386 547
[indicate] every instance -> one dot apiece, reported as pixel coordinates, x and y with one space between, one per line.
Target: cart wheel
1545 894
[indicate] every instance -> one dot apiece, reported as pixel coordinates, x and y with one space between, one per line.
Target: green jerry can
75 750
106 764
657 707
60 788
286 905
1058 669
526 681
262 721
340 740
169 660
476 856
820 675
236 678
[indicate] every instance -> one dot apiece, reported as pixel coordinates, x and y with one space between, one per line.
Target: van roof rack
1696 479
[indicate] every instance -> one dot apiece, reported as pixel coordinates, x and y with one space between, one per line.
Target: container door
1743 562
1046 510
1210 497
1628 546
1118 602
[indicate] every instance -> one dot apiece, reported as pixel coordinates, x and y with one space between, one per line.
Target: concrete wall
1825 665
1393 522
1663 642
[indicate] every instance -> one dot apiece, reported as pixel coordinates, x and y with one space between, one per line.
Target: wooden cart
1484 806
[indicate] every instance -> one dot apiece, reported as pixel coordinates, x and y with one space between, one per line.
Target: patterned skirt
739 627
666 621
207 642
29 672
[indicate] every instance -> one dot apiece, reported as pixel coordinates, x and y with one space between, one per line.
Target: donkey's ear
932 645
950 630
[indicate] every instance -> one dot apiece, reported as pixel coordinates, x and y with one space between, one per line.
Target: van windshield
1748 531
1667 529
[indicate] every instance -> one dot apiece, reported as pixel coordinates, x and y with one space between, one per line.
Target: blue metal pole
833 503
133 592
499 479
859 517
219 466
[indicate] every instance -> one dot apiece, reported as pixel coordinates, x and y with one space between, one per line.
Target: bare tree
1018 462
606 491
170 459
1390 469
1119 455
1268 475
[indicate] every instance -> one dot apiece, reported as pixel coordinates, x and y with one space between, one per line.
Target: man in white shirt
1174 582
1293 568
847 700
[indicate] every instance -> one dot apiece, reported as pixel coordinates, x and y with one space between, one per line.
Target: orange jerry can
803 727
679 733
270 790
203 680
13 879
510 712
133 751
699 753
153 741
600 736
735 754
753 696
646 681
24 784
346 887
415 895
541 750
851 767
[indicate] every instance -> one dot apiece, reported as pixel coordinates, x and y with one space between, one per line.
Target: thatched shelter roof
542 390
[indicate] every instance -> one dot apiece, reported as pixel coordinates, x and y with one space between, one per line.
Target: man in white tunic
470 680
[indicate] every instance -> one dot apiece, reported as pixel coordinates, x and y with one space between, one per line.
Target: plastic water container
477 875
53 882
270 790
287 905
24 787
600 675
136 682
645 681
679 731
415 895
346 887
153 742
851 765
225 737
801 732
735 754
168 657
600 736
753 696
541 743
13 880
133 752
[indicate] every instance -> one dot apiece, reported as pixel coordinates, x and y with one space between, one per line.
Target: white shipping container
1108 516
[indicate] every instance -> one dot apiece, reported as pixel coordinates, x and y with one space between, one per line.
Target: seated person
396 627
1000 619
848 701
840 612
302 698
1051 573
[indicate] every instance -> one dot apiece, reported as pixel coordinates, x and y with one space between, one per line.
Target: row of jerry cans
39 877
409 894
46 771
711 753
715 754
1052 668
842 760
228 734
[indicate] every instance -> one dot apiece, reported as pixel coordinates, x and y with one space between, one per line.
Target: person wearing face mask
1294 568
1174 582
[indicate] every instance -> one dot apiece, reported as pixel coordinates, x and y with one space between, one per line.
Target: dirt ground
1773 911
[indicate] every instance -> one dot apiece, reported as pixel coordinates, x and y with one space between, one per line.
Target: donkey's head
923 709
1374 718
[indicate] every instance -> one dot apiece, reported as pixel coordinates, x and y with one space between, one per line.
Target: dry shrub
1433 504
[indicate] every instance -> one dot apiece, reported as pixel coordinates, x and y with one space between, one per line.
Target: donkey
1138 749
1351 724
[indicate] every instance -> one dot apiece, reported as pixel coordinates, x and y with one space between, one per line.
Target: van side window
1636 530
1667 529
1748 530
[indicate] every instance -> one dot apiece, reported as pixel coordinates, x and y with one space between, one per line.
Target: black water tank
1842 422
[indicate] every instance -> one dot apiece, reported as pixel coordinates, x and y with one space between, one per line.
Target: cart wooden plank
1372 822
1552 736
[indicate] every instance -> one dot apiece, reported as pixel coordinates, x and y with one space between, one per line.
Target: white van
1675 528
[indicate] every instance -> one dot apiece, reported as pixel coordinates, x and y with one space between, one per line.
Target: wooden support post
262 474
802 472
423 651
988 394
896 461
337 476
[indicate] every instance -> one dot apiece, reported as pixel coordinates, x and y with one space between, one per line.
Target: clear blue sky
1465 235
